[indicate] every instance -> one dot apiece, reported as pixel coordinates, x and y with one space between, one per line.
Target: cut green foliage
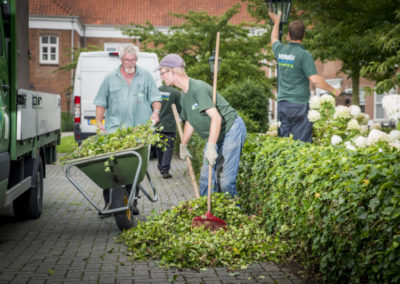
122 138
169 237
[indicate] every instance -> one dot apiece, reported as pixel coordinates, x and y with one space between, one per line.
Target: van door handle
5 87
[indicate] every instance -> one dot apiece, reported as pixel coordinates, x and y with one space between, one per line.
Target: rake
208 220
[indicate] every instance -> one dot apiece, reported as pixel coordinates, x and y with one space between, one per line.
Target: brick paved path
69 243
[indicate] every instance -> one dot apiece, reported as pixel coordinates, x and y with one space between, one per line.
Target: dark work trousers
164 157
293 120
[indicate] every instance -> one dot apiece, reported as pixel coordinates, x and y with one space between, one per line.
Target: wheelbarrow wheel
126 219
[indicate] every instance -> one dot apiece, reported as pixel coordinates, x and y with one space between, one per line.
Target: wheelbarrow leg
129 188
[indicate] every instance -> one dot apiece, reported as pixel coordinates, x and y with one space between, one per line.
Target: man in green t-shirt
296 69
169 96
219 124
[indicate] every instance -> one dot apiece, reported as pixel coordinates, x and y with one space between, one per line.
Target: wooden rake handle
188 161
214 98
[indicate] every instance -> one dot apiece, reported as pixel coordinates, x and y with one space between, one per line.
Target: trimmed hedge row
338 209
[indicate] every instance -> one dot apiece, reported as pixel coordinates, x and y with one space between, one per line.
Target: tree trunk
355 82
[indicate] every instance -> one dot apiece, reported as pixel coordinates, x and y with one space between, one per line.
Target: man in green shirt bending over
296 69
219 124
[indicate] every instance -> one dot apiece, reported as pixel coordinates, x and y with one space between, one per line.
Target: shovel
209 221
188 161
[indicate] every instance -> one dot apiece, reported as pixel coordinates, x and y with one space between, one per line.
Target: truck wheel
30 204
126 219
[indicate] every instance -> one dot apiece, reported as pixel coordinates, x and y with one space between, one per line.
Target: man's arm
320 83
187 133
99 118
276 19
215 125
155 116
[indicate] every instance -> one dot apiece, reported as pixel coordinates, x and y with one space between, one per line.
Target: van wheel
30 204
125 220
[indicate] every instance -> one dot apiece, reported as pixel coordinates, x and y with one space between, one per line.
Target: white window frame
49 46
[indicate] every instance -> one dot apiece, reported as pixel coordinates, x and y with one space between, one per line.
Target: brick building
59 26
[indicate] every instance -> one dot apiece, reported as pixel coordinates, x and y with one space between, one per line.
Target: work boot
166 175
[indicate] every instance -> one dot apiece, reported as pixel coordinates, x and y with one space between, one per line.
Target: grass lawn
67 144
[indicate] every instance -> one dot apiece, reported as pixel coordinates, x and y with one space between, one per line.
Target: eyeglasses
162 73
130 60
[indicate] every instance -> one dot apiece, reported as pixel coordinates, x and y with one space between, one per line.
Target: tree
342 30
386 70
243 55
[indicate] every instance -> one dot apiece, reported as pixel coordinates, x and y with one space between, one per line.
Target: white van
91 69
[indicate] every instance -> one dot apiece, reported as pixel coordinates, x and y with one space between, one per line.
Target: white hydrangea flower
376 136
327 99
314 102
376 125
394 135
391 105
395 144
355 110
353 125
364 129
342 112
336 139
361 141
313 115
349 146
362 118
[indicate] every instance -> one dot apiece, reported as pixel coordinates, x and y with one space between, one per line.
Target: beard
129 70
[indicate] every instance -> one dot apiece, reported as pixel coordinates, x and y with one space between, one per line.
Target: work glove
184 152
211 153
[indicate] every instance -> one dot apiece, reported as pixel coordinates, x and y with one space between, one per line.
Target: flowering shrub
338 209
348 126
391 104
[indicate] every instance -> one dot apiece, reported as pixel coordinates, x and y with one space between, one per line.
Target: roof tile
125 12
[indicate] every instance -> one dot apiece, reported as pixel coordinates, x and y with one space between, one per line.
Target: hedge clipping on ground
170 239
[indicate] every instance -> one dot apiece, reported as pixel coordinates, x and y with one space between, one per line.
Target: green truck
29 120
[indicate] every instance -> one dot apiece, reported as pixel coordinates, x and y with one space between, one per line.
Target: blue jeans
226 167
293 118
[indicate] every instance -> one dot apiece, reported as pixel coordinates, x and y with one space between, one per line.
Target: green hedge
339 209
67 121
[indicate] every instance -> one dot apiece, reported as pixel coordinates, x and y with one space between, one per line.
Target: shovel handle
188 161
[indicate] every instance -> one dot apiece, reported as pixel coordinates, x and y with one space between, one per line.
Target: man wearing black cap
219 124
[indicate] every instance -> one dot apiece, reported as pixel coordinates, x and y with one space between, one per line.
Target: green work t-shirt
127 105
169 96
295 65
195 103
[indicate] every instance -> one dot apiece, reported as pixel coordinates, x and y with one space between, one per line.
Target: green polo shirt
127 105
295 65
169 96
195 103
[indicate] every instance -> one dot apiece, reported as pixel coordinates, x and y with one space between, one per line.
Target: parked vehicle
29 120
91 69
